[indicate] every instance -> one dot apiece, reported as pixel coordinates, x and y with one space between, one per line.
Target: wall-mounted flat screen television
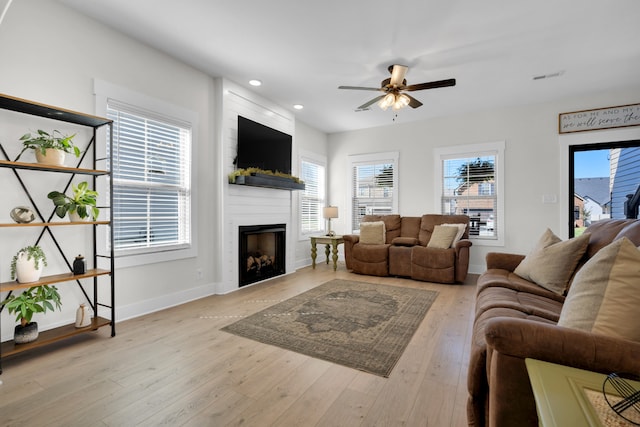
260 146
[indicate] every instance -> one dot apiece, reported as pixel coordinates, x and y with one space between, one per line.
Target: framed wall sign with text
599 118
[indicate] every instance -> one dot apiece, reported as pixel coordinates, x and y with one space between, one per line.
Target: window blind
373 190
312 199
151 180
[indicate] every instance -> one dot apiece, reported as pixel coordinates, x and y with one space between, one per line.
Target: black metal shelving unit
93 274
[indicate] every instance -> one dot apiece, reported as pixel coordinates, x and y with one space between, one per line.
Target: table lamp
328 213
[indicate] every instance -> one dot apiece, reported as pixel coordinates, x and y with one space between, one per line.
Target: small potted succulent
37 299
50 148
82 206
27 264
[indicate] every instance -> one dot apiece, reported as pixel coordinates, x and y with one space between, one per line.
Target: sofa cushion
552 261
461 228
605 294
372 233
442 237
410 226
530 301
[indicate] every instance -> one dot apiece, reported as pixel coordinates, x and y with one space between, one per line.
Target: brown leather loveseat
407 249
517 319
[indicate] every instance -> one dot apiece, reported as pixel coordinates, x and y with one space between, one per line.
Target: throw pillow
461 228
605 294
442 237
552 261
372 233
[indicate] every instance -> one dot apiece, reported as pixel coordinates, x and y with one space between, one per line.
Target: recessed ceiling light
255 82
298 106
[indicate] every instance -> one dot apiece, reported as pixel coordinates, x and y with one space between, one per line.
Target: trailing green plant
37 299
83 201
33 252
251 171
42 140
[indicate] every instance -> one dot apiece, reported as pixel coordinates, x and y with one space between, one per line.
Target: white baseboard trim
162 302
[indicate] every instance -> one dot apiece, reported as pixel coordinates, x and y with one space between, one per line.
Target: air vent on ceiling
548 76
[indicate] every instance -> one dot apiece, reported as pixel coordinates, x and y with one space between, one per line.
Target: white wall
533 165
308 139
51 54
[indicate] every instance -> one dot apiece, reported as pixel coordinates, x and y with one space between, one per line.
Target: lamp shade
330 212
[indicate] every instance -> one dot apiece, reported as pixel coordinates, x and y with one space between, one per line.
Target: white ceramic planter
53 157
26 271
74 217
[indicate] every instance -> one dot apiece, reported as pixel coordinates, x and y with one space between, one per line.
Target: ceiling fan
394 88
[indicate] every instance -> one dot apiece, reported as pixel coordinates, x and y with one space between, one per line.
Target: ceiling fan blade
413 103
377 89
431 85
397 74
370 103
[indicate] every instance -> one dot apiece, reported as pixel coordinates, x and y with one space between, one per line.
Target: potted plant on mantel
50 148
37 299
80 207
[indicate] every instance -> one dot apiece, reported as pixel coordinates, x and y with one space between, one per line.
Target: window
469 183
151 174
374 183
604 182
312 199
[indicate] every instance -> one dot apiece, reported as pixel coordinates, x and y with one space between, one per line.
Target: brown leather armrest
503 261
352 238
570 347
404 241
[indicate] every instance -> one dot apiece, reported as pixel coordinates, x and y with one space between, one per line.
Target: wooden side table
329 242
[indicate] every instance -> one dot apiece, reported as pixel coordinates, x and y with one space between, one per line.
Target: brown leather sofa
405 253
516 319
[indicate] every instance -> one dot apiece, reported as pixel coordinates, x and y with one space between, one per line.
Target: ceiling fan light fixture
402 101
387 101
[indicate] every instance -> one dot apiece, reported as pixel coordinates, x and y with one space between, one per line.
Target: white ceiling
303 50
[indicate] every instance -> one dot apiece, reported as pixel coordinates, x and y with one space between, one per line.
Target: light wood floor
176 367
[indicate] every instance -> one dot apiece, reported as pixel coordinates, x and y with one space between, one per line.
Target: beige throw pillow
605 294
552 261
460 228
442 237
372 233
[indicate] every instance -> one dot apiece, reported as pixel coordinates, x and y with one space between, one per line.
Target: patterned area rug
360 325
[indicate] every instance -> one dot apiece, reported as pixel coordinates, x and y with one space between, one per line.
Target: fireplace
262 250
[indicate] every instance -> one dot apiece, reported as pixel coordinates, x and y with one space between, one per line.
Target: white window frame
129 258
320 160
372 158
472 151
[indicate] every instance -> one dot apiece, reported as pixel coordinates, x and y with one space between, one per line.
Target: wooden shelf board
53 224
49 280
52 335
42 110
50 168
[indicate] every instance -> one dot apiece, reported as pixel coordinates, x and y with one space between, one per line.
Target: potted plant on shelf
82 206
27 264
37 299
50 148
